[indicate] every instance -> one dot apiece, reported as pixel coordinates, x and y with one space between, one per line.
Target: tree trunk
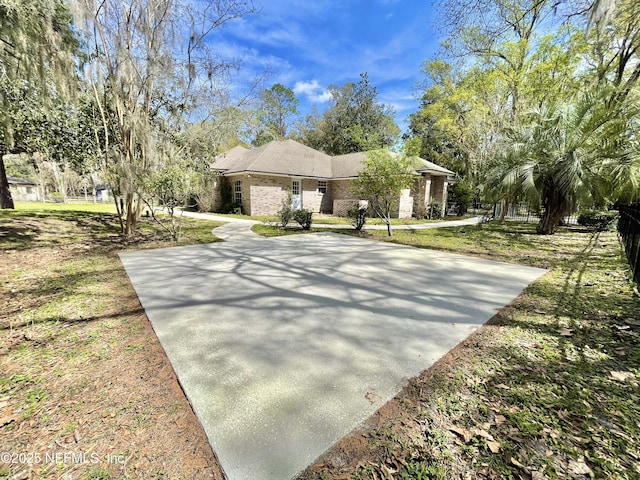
6 201
130 218
389 228
556 206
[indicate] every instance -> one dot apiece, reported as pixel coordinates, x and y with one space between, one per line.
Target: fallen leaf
494 446
565 332
463 432
579 468
500 419
517 463
538 475
481 433
631 321
621 376
540 312
503 386
388 473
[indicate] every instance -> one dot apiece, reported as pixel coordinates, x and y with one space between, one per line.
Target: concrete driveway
284 345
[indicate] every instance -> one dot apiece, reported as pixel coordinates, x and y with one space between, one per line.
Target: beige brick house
260 180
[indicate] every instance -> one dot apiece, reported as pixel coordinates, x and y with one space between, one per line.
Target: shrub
463 194
600 220
285 214
421 211
56 197
358 216
229 208
435 210
304 218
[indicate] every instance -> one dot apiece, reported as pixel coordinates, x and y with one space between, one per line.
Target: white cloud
313 91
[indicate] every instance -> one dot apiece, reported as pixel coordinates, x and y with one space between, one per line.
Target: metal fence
629 230
525 212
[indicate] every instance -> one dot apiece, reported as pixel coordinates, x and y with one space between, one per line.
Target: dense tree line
536 100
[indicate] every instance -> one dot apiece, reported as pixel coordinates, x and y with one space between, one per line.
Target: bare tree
152 69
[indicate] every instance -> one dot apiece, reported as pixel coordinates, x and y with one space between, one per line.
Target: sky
308 45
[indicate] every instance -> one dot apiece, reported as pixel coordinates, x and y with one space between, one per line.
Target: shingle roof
227 159
286 157
348 165
291 158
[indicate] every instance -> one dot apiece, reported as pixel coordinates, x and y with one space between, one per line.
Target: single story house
261 179
23 190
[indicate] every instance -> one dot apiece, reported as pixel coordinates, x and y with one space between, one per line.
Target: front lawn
86 390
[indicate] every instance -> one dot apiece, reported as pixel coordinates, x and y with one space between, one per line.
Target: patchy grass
333 220
82 371
512 242
548 389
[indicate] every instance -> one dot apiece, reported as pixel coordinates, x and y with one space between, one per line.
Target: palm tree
569 154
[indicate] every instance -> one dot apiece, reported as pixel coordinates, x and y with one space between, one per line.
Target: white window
295 187
322 186
237 192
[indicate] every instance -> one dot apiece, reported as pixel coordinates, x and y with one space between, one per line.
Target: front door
296 195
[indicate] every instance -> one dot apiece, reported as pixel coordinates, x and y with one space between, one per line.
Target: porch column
427 190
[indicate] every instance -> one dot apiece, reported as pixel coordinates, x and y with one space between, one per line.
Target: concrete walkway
284 345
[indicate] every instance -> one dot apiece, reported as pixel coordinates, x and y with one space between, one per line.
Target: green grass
510 242
277 231
553 380
102 207
333 220
82 246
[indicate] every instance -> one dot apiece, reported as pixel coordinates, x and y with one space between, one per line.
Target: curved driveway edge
286 344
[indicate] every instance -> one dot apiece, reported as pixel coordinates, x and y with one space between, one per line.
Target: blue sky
307 45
